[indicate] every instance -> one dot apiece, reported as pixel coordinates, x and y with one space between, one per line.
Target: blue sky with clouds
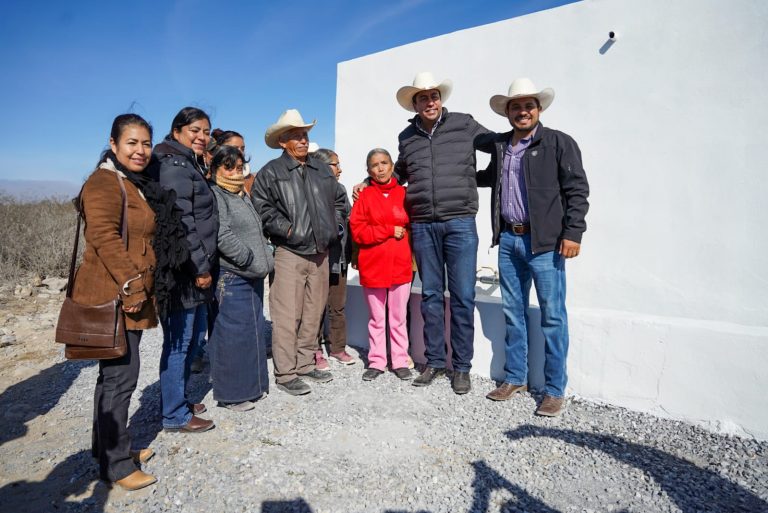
70 67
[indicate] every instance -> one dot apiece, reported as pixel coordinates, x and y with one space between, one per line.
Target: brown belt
518 228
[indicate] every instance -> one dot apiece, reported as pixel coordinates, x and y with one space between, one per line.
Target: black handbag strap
79 207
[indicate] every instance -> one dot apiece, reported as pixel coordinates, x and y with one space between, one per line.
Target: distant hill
31 190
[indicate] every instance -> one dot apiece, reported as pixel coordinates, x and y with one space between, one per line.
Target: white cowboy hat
288 120
313 147
424 81
522 88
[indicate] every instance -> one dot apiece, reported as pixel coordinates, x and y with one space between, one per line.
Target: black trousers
111 443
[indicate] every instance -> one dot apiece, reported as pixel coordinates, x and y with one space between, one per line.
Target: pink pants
397 296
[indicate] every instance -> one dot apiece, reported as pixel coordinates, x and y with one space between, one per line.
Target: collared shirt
514 195
420 126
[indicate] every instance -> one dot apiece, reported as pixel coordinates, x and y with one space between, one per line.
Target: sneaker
319 376
320 362
371 374
239 407
551 406
294 387
403 373
344 358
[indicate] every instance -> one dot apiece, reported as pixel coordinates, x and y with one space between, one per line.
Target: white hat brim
405 94
273 133
499 102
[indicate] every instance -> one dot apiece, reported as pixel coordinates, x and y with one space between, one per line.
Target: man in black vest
437 159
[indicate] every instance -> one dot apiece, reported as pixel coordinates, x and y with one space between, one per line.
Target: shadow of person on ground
293 506
690 487
73 476
488 480
199 385
17 406
146 422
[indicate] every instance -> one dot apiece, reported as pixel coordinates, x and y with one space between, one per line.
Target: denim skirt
237 345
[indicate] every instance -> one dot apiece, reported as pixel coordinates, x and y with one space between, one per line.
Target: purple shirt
514 195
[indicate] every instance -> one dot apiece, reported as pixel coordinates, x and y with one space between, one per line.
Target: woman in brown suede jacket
109 269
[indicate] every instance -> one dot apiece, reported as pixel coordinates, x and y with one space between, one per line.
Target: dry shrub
36 237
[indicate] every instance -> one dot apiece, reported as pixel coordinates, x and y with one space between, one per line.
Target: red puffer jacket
383 261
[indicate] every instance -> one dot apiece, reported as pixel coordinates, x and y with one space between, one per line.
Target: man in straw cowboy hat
538 205
300 205
437 159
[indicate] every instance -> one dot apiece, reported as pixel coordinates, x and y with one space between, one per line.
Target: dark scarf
170 241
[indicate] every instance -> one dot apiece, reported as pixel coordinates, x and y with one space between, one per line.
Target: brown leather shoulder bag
93 332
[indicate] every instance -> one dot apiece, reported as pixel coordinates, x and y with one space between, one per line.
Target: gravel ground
354 446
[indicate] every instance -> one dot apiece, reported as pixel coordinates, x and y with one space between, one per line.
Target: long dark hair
187 116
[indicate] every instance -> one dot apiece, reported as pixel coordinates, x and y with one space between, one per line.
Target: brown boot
195 425
142 455
198 409
551 406
136 481
505 391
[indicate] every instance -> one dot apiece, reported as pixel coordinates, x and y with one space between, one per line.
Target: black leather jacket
308 203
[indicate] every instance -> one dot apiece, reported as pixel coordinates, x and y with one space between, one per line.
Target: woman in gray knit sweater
238 349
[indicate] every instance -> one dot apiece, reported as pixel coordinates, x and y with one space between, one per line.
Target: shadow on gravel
146 421
487 480
49 384
73 476
690 487
199 385
294 506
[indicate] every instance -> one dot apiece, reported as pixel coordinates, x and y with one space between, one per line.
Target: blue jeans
517 266
180 328
452 245
237 346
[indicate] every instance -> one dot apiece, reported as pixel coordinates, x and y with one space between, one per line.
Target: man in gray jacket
301 207
437 159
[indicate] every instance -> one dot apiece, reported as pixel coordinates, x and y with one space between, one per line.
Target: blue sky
70 67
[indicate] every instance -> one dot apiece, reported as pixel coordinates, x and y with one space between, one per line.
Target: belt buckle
518 229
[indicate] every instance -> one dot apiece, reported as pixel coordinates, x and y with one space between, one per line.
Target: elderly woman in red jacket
378 224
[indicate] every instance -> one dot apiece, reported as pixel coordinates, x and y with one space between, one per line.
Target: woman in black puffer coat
181 169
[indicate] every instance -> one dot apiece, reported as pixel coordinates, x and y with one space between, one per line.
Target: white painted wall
668 304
